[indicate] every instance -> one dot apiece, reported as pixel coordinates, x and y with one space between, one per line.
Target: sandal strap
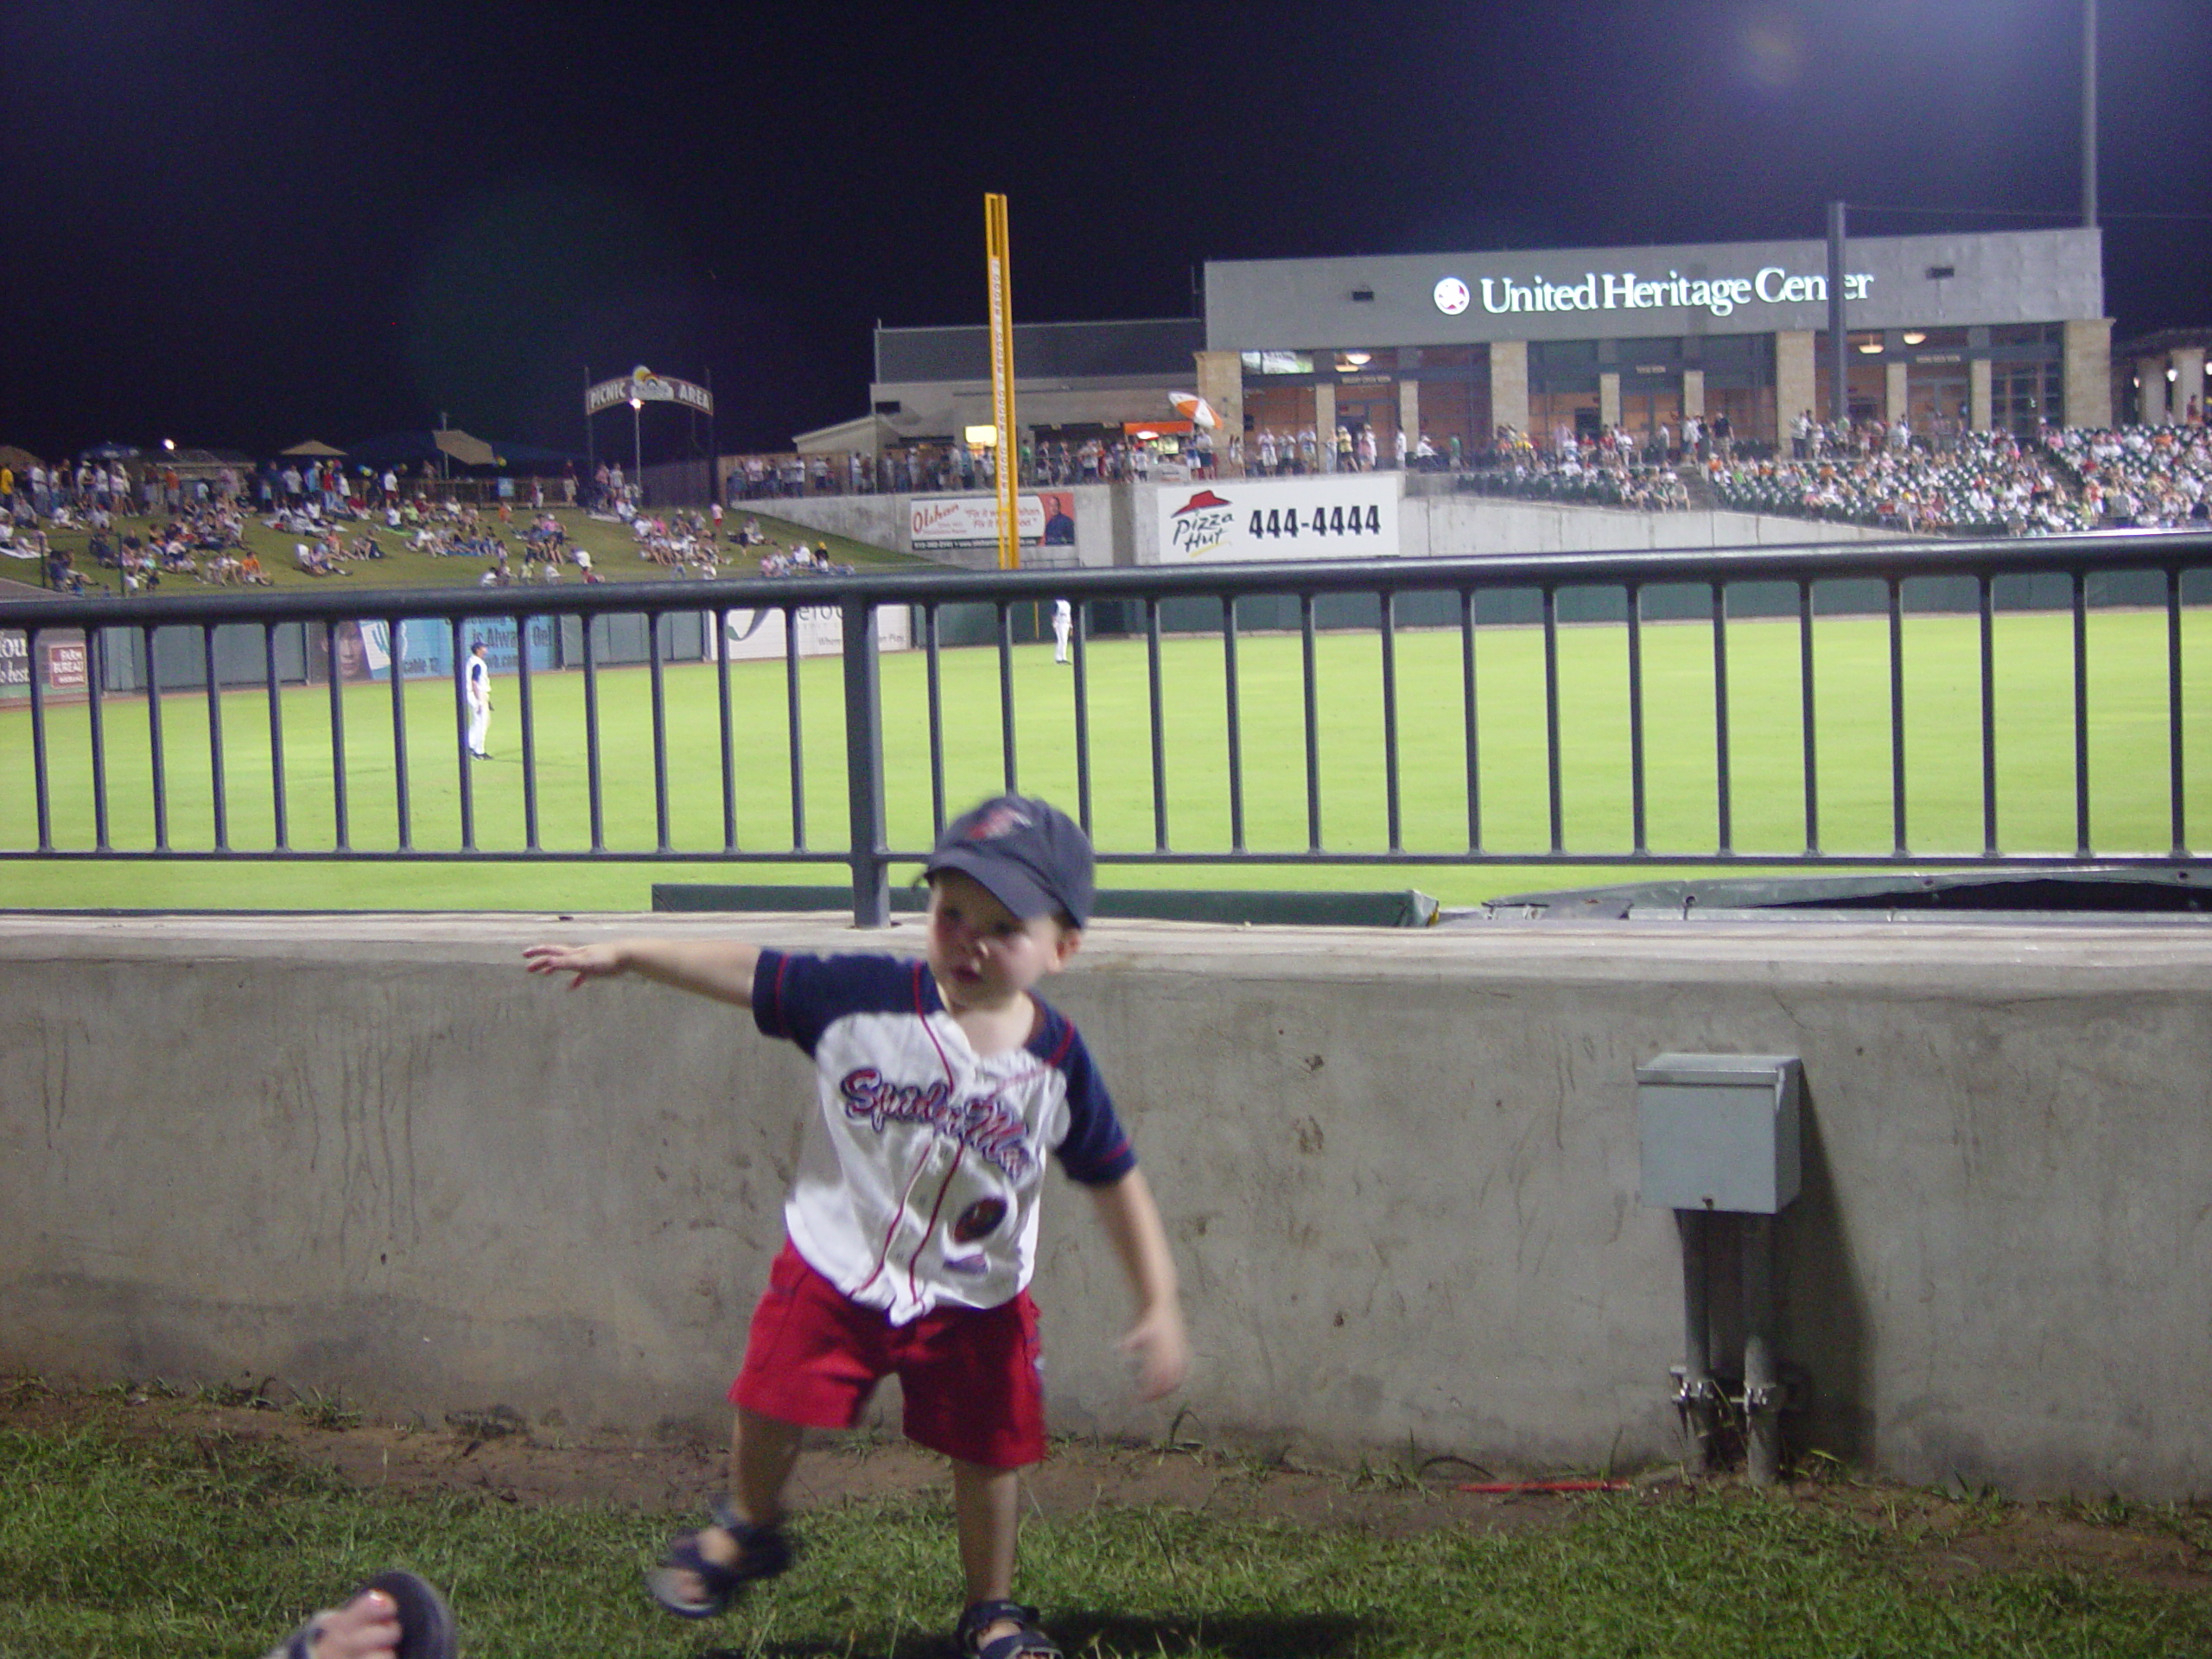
763 1552
1027 1643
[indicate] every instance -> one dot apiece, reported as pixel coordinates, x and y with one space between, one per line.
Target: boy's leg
763 1451
986 1505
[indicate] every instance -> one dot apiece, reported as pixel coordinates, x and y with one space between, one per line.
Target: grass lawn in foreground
2127 742
132 1542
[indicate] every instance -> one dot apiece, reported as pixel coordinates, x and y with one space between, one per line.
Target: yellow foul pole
1008 458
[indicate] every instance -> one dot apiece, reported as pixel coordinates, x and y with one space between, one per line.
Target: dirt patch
1950 1539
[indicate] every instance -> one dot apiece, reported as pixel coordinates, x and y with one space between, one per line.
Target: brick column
2189 383
1609 398
1694 393
2150 391
1978 394
1508 389
1793 381
1896 394
2087 371
1221 383
1325 427
1410 415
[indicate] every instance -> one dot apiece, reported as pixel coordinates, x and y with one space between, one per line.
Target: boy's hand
584 961
1161 1351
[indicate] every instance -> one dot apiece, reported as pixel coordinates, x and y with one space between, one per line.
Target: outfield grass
151 1548
2034 747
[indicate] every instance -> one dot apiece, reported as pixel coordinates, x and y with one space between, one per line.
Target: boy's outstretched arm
715 968
1155 1340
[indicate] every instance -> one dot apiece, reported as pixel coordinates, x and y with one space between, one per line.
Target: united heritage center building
2002 329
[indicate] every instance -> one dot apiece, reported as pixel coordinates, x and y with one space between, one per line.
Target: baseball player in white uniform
1062 628
479 700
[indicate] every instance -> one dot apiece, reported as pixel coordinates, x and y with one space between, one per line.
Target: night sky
243 225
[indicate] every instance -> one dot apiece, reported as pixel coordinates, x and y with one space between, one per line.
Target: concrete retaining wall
885 521
1119 524
1468 526
1399 1171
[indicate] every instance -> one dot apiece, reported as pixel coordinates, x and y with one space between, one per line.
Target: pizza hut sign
1348 516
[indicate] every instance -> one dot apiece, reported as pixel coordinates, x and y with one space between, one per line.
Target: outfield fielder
479 700
1063 625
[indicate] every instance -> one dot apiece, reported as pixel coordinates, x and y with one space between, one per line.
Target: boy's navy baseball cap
1029 856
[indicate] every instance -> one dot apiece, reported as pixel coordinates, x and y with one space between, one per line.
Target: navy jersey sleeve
1097 1150
800 997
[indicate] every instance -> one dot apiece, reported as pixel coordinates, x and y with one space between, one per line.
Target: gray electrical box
1720 1131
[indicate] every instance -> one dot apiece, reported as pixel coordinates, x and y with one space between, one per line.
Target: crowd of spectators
681 542
1979 484
1612 469
1881 475
803 561
932 467
2144 477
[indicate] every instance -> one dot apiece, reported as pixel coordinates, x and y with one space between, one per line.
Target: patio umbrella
320 451
1193 408
21 460
468 451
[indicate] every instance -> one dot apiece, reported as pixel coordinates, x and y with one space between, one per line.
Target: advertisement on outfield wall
425 652
61 656
1338 515
935 522
754 635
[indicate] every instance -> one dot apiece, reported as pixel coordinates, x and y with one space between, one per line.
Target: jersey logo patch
984 1123
979 1220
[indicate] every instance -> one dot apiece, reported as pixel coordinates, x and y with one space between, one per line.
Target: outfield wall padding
371 1155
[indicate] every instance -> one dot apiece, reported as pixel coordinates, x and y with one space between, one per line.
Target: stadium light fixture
169 443
1913 337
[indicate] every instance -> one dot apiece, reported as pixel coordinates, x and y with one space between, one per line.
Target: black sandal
426 1627
763 1552
1027 1643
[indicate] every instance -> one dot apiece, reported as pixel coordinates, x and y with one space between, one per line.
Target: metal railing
283 658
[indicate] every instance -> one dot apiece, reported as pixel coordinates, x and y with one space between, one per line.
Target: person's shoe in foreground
394 1615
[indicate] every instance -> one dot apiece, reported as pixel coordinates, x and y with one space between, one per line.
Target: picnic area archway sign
637 389
642 385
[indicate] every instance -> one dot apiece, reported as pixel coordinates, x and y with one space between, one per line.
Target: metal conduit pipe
1697 1398
1761 1382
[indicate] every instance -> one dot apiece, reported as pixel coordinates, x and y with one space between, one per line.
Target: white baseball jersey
920 1174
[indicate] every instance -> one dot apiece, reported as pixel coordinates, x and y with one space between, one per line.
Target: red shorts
969 1374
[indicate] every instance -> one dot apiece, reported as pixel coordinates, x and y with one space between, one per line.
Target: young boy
913 1220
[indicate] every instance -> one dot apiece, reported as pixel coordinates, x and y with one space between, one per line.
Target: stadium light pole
2089 114
636 448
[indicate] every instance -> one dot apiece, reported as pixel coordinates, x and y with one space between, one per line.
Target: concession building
2002 329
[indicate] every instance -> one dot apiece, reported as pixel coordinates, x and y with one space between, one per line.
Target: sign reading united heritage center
1624 290
1449 298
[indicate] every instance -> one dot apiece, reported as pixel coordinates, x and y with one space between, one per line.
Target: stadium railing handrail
1144 602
